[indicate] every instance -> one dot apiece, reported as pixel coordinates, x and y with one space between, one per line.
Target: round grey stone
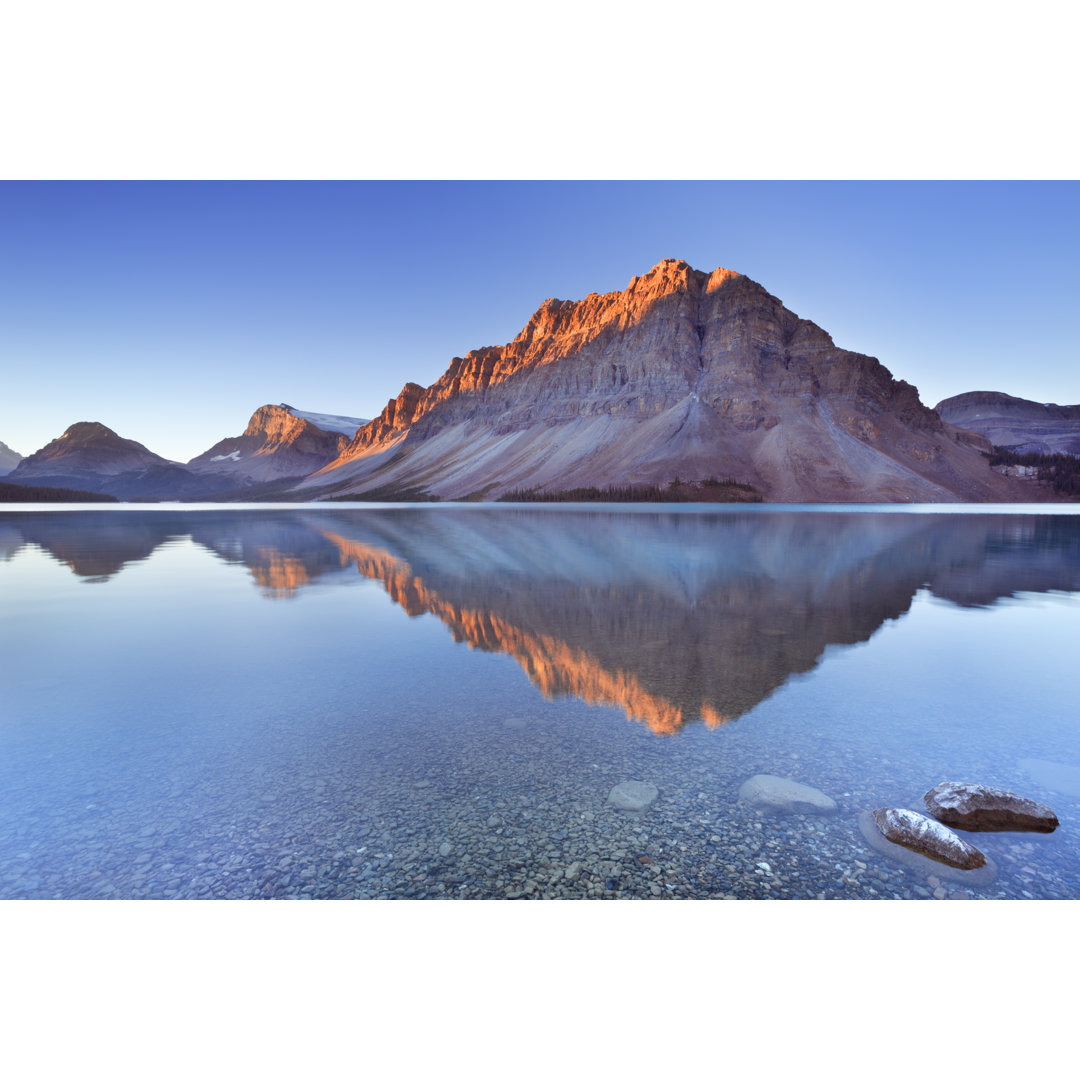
779 795
633 795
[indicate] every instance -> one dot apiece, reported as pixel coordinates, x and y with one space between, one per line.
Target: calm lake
327 701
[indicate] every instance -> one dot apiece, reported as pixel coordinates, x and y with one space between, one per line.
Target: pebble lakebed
527 819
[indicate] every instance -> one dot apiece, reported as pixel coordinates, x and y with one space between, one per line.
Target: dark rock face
1015 423
683 373
978 808
927 837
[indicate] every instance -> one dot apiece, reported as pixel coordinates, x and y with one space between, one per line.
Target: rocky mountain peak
677 275
273 421
683 373
278 441
89 456
85 430
556 330
91 439
669 277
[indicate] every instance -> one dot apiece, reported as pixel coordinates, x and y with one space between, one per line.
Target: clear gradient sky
171 311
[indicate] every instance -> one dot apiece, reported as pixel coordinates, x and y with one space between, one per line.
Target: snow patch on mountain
345 425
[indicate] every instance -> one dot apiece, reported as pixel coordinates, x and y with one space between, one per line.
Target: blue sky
171 311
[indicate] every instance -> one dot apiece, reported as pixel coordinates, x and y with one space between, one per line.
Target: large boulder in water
978 808
778 795
927 837
921 864
633 795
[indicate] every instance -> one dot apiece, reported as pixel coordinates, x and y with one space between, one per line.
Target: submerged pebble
633 795
780 795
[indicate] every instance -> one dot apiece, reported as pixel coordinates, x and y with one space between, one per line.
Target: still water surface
436 702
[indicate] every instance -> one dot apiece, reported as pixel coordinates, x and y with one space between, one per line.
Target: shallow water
436 702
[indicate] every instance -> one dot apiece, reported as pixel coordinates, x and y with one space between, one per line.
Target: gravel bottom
504 807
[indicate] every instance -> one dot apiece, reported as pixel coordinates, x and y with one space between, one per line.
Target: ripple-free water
410 702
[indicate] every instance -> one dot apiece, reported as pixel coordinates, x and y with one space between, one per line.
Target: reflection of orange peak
556 668
279 575
712 718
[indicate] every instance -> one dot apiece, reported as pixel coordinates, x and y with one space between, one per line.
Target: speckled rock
912 860
778 795
633 795
978 808
927 837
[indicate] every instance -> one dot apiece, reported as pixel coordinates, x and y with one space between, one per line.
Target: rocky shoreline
428 834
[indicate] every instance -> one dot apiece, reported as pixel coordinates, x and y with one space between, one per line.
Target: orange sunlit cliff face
558 328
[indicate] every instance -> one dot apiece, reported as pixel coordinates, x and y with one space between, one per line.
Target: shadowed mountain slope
91 457
1016 424
8 458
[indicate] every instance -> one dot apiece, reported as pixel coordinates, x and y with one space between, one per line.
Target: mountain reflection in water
674 617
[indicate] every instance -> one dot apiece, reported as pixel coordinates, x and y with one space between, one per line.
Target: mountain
278 442
8 459
682 374
1015 423
91 457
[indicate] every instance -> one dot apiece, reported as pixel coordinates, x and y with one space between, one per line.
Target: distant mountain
8 459
682 374
1015 423
91 457
278 442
